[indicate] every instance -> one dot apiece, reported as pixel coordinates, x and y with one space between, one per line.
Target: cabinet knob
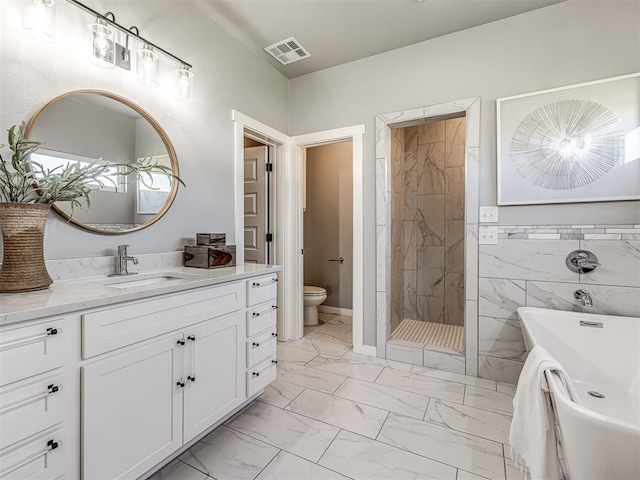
274 334
192 338
191 379
52 445
256 314
274 362
256 374
180 383
180 342
53 388
52 331
256 344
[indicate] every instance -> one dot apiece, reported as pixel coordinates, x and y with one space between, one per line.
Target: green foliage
24 181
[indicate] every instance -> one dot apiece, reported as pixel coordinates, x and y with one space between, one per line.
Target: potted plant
27 190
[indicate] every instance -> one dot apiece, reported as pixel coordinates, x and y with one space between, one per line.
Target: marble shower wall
397 278
527 268
433 217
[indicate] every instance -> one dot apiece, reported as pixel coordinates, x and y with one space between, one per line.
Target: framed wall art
579 143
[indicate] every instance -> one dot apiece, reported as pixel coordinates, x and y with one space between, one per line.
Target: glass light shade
103 45
184 84
148 66
39 19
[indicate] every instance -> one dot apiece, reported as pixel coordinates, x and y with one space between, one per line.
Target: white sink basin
149 279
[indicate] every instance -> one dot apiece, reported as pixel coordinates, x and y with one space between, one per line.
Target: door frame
355 134
288 217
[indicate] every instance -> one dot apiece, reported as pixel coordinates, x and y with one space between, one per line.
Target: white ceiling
340 31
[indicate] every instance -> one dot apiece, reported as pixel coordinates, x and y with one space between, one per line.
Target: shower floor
434 336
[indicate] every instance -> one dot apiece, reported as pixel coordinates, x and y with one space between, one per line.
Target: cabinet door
132 409
216 360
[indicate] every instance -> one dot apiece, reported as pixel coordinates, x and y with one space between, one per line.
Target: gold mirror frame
156 126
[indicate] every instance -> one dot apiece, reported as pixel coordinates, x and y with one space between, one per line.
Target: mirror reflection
94 126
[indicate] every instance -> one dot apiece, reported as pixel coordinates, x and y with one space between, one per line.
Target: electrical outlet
488 236
488 214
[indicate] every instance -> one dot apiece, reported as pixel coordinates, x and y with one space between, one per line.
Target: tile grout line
268 463
382 426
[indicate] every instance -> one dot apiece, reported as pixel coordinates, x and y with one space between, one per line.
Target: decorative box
201 256
216 239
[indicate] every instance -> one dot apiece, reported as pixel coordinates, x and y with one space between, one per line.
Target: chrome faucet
122 266
584 297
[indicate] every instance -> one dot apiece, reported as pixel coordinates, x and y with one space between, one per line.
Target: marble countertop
73 295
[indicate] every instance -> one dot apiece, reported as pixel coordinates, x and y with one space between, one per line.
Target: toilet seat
311 291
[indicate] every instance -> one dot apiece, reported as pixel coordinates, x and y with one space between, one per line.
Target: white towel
532 436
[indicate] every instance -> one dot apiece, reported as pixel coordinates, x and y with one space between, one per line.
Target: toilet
313 296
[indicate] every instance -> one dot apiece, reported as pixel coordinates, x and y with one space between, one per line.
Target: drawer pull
256 344
275 362
180 383
192 338
22 403
261 284
191 379
51 445
180 342
257 314
32 339
256 374
274 334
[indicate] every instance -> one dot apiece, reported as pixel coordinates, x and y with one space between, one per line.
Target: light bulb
103 47
148 66
184 84
39 19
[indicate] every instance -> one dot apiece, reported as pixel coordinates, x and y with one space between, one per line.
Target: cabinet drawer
112 328
261 376
262 289
261 347
31 406
42 457
261 318
28 351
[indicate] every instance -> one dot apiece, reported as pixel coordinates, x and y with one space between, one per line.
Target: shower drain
595 394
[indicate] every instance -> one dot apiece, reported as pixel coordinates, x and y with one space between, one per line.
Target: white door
215 366
132 410
255 204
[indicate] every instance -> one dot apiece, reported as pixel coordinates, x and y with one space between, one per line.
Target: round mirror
90 126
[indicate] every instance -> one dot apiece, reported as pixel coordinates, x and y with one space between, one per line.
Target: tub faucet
122 266
584 297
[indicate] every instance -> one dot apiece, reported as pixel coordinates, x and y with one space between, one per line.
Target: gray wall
227 76
328 222
572 42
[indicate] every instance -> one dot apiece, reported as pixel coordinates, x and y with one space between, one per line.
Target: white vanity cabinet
34 400
145 401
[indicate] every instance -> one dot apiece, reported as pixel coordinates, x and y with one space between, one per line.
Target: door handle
339 260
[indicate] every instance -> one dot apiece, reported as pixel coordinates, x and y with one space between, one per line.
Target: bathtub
600 353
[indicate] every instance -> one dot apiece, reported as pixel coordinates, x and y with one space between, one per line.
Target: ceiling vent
288 51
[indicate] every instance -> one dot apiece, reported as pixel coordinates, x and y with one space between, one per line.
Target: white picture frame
608 166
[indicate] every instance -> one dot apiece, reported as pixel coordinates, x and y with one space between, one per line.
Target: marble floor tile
422 385
346 367
340 412
403 367
318 346
326 317
345 338
311 332
285 353
289 467
225 453
406 352
334 328
508 388
488 400
309 377
483 423
468 452
462 475
178 470
294 433
454 377
362 458
280 393
513 472
341 320
381 396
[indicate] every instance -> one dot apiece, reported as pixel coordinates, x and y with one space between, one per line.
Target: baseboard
336 310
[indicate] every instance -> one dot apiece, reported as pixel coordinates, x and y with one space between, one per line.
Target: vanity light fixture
148 66
184 84
39 19
103 44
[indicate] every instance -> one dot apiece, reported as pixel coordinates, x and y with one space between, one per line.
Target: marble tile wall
527 268
433 196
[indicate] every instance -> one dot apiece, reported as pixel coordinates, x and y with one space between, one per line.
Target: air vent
288 51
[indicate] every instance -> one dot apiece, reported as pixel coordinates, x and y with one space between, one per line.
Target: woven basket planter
23 268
